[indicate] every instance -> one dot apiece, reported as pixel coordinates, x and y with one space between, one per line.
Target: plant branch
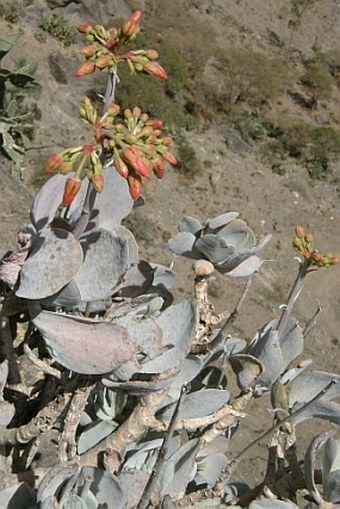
42 423
152 482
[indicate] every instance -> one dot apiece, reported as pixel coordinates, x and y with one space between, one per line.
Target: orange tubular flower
131 27
121 167
132 158
134 182
72 186
158 167
98 182
85 69
169 157
155 69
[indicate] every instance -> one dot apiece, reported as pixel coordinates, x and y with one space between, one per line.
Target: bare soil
229 181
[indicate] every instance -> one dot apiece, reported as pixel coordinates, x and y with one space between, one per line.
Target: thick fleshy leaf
92 435
190 224
133 483
105 486
210 468
3 376
47 201
247 369
137 387
145 333
54 478
178 470
214 248
235 234
267 349
55 258
105 262
272 504
7 411
67 297
244 269
197 404
114 203
293 373
137 279
20 496
309 465
309 384
331 470
91 347
221 220
163 276
183 244
177 323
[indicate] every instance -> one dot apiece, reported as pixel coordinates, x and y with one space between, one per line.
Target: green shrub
150 94
59 27
318 81
10 11
243 76
252 126
188 163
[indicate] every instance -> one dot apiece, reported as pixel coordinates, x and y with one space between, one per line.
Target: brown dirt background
230 182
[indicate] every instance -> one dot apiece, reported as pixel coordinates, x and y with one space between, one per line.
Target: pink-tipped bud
155 124
98 182
136 112
121 167
300 231
155 69
169 157
167 140
84 27
134 182
72 186
85 69
88 51
113 109
104 61
152 54
53 164
131 26
127 113
132 158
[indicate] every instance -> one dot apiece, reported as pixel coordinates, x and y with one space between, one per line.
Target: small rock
236 143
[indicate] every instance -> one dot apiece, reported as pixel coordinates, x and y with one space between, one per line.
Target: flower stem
293 296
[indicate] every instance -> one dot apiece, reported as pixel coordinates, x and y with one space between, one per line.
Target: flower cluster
103 52
138 148
303 244
136 145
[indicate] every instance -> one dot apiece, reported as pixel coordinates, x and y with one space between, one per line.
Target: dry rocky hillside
233 177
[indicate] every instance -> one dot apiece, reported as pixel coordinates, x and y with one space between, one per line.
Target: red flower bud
84 27
85 69
155 69
169 157
158 167
167 140
132 158
72 186
155 124
131 27
53 164
121 167
98 182
134 182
